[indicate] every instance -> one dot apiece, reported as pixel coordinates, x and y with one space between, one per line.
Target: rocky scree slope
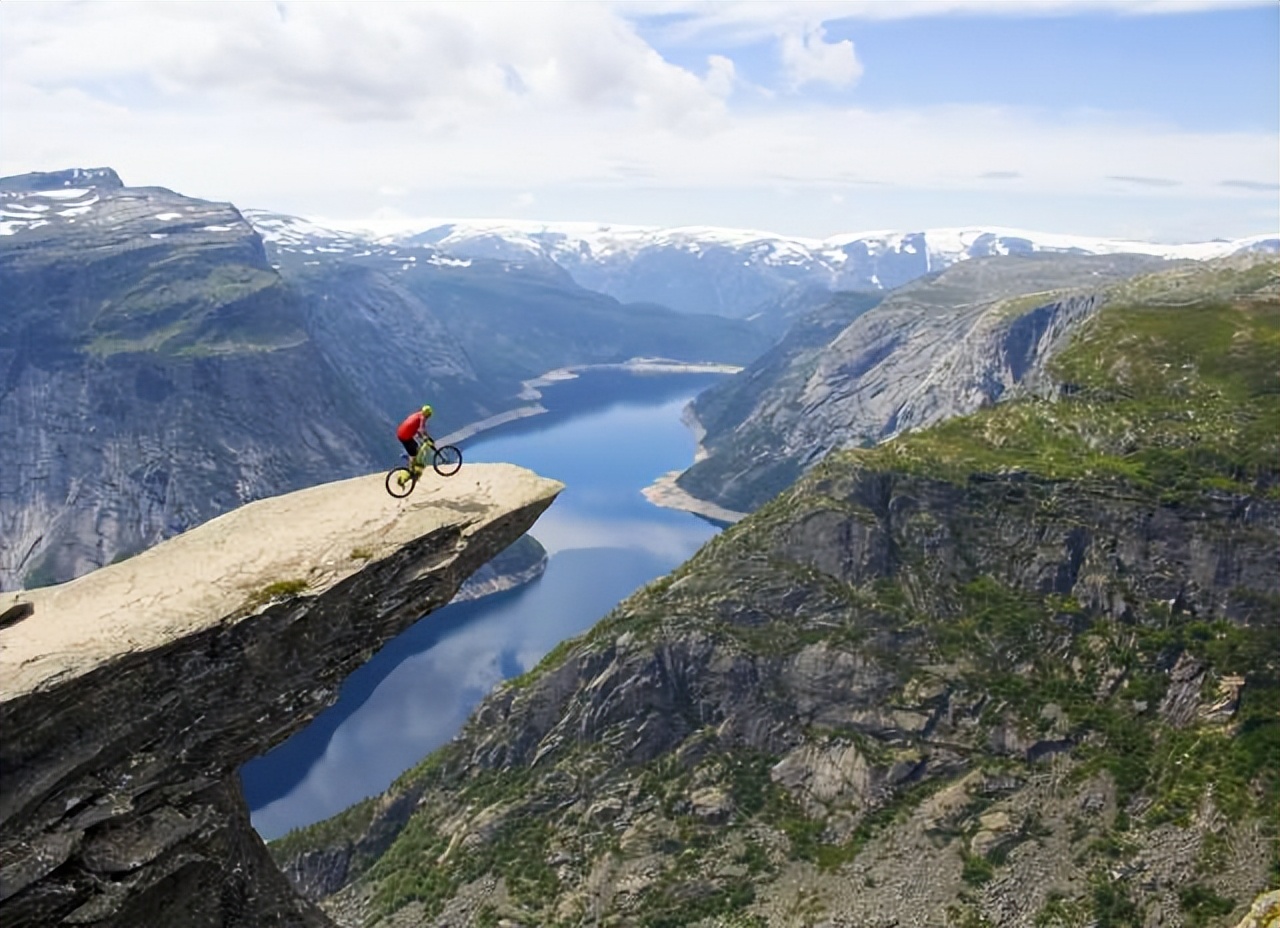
1018 669
132 696
939 347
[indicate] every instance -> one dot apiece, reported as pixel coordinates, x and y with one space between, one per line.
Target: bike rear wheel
397 487
447 460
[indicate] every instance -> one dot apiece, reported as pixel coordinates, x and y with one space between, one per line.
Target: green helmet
426 409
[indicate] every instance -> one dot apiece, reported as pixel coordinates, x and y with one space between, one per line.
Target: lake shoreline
667 493
531 390
606 434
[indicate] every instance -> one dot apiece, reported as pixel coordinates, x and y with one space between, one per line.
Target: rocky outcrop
130 697
937 348
521 563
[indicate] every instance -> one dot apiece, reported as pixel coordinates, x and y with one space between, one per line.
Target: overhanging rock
130 697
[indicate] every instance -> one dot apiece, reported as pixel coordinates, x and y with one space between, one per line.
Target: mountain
1020 668
943 345
155 370
161 363
736 272
507 320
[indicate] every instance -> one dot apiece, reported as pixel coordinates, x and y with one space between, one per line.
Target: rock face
934 349
156 372
130 697
1018 669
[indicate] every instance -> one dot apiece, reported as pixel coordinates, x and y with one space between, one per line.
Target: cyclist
413 430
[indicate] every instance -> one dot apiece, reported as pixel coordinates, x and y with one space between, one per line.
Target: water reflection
605 541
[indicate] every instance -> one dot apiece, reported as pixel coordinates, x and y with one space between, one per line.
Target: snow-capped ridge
707 268
602 240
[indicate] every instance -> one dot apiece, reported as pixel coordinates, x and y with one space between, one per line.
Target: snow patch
575 244
62 193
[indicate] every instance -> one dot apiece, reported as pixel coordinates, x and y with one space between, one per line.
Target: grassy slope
1122 431
1169 394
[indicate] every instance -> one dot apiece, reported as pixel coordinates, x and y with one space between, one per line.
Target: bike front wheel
447 460
400 482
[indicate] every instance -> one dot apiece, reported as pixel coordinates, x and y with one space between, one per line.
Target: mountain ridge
942 345
160 362
730 272
1018 668
604 238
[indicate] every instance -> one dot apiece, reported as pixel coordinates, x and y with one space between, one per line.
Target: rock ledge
130 697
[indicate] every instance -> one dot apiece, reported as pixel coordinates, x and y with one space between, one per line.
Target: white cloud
809 58
721 75
366 61
335 107
743 21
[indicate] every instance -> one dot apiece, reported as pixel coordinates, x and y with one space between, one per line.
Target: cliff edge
130 697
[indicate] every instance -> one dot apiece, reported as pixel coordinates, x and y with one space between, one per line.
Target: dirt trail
316 536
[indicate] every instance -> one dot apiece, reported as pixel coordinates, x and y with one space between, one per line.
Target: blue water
607 436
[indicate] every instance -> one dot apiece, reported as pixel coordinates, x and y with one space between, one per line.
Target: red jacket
410 427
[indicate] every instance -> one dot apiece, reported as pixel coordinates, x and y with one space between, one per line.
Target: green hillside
1020 669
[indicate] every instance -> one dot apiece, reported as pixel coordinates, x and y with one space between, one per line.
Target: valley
978 673
606 434
990 640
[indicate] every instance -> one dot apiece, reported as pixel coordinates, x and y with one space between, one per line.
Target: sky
1155 120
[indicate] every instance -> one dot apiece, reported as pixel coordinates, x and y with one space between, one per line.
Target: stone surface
716 661
130 697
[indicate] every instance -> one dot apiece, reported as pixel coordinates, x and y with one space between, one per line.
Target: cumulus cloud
366 61
809 58
317 110
721 75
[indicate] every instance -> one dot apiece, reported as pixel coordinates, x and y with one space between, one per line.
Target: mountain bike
446 460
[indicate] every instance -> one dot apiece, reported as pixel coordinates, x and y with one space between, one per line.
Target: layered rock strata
130 697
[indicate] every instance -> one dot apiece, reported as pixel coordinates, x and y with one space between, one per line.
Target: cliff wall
130 697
